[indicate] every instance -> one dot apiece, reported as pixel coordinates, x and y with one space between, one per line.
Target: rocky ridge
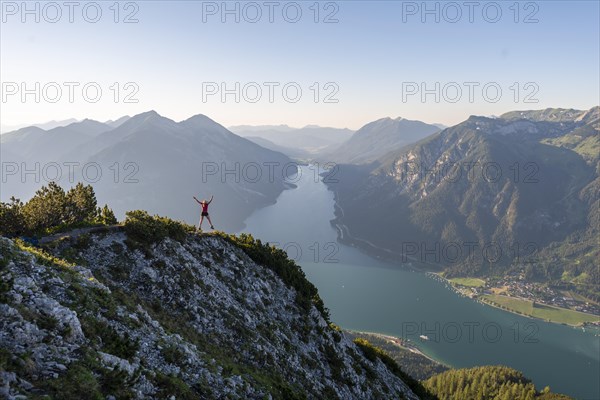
191 318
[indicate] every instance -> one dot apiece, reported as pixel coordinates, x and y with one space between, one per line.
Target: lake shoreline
396 341
390 256
366 293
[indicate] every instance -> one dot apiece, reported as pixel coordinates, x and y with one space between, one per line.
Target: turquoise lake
366 294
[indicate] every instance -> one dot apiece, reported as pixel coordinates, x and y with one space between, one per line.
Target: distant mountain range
524 181
46 125
378 138
289 151
338 145
303 142
57 124
118 121
151 162
33 143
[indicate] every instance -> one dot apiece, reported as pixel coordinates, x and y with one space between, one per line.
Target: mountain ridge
437 191
377 138
155 163
191 317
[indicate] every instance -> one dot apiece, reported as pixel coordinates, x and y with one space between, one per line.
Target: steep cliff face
189 318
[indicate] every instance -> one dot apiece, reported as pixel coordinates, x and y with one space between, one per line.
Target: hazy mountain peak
379 137
145 118
201 124
85 122
392 121
384 119
21 134
148 114
200 120
149 121
45 126
117 122
29 129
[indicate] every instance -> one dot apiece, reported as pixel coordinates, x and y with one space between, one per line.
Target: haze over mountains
526 183
527 179
400 180
33 143
339 145
46 125
159 162
153 163
377 138
296 142
57 124
117 121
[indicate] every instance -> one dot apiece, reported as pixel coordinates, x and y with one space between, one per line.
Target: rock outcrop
177 319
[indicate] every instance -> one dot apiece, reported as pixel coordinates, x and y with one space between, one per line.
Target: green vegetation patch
86 378
542 311
53 210
470 282
171 385
488 382
144 229
108 339
43 257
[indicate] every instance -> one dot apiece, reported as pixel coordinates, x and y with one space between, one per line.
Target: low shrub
146 229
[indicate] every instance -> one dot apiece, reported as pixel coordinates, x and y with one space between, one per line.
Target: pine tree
80 204
11 218
106 216
46 208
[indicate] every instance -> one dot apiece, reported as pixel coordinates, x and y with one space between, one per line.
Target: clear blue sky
372 54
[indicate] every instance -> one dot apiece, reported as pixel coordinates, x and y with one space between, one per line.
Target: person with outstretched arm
204 204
